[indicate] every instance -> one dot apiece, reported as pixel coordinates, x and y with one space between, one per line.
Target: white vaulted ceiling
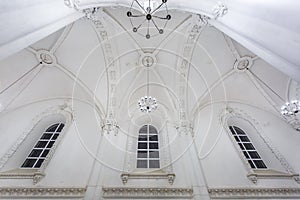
101 64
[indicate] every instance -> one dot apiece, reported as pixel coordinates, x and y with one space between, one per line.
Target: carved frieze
149 193
254 193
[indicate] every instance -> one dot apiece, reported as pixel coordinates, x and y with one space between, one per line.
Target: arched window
43 146
148 148
247 148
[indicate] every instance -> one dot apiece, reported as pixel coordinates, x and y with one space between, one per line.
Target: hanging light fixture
147 104
149 9
289 109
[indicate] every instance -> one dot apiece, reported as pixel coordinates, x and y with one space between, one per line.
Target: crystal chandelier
149 15
147 103
290 108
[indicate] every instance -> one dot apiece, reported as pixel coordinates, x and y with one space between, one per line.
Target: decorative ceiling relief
97 16
243 63
219 10
183 65
46 57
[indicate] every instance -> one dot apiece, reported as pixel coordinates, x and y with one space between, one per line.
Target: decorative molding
219 10
65 110
45 57
253 174
110 126
254 193
97 16
196 25
72 3
294 122
242 64
184 127
149 193
24 192
126 176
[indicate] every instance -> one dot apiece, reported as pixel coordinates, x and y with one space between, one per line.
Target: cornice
24 192
150 193
169 176
257 193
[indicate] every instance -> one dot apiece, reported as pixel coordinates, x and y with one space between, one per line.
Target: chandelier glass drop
290 108
148 15
147 104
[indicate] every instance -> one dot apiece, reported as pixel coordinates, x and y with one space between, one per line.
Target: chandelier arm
164 18
137 15
139 26
140 6
155 24
148 28
156 8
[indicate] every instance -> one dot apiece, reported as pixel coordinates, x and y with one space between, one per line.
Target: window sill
33 174
254 175
157 174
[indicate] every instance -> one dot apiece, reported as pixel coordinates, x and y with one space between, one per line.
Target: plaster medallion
243 63
45 57
147 60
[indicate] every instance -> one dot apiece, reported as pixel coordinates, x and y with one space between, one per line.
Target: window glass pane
249 146
244 139
61 126
142 145
35 153
39 163
50 144
259 164
52 128
45 153
251 164
141 163
153 145
153 154
143 129
142 154
46 136
236 138
153 163
142 137
245 154
29 163
241 146
239 131
253 154
153 138
152 129
231 129
41 144
55 136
